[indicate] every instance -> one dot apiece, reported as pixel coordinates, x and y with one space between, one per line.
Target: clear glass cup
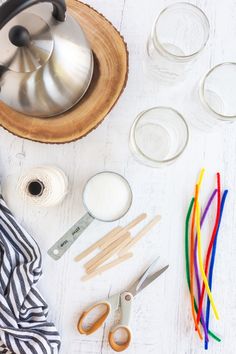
218 92
178 36
158 136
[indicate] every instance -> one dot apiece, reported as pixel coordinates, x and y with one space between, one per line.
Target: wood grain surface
161 320
108 82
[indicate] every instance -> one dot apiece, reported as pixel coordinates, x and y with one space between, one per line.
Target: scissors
123 302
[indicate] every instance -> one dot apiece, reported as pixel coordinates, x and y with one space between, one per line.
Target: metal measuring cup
66 241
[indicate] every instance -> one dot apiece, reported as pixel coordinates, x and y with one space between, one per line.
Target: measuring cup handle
64 243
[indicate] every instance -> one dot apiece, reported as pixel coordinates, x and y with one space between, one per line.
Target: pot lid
27 43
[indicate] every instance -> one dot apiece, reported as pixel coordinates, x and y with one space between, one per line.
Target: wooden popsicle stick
99 243
124 230
135 222
114 234
112 239
140 234
105 257
106 244
107 253
108 266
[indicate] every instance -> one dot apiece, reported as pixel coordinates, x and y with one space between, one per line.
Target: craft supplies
107 196
44 186
121 301
116 243
175 42
209 250
194 259
108 252
196 263
97 244
107 243
212 264
107 266
158 136
112 236
140 234
24 324
191 262
210 245
203 273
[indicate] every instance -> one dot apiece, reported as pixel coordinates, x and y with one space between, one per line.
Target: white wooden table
161 320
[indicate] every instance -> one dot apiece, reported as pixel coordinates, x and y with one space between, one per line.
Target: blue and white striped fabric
24 328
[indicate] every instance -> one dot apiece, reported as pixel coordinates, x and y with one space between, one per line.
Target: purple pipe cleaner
196 262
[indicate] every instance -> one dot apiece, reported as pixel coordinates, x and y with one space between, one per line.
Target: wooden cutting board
109 80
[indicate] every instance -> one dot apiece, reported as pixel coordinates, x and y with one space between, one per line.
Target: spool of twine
44 186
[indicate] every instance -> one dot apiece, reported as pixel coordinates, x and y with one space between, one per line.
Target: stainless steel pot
46 63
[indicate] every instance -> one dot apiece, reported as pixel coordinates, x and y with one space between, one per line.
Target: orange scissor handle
98 323
115 345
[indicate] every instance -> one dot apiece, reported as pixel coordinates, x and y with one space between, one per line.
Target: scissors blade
146 273
137 287
150 279
134 286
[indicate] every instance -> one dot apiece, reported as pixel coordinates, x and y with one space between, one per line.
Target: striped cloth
23 312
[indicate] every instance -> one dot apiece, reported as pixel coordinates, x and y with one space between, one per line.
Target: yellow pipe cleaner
198 218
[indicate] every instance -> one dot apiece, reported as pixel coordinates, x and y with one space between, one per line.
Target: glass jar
159 136
217 92
178 36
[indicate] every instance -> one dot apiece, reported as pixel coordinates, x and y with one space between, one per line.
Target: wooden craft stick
103 259
107 253
124 230
135 222
106 244
99 243
113 235
108 266
140 234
